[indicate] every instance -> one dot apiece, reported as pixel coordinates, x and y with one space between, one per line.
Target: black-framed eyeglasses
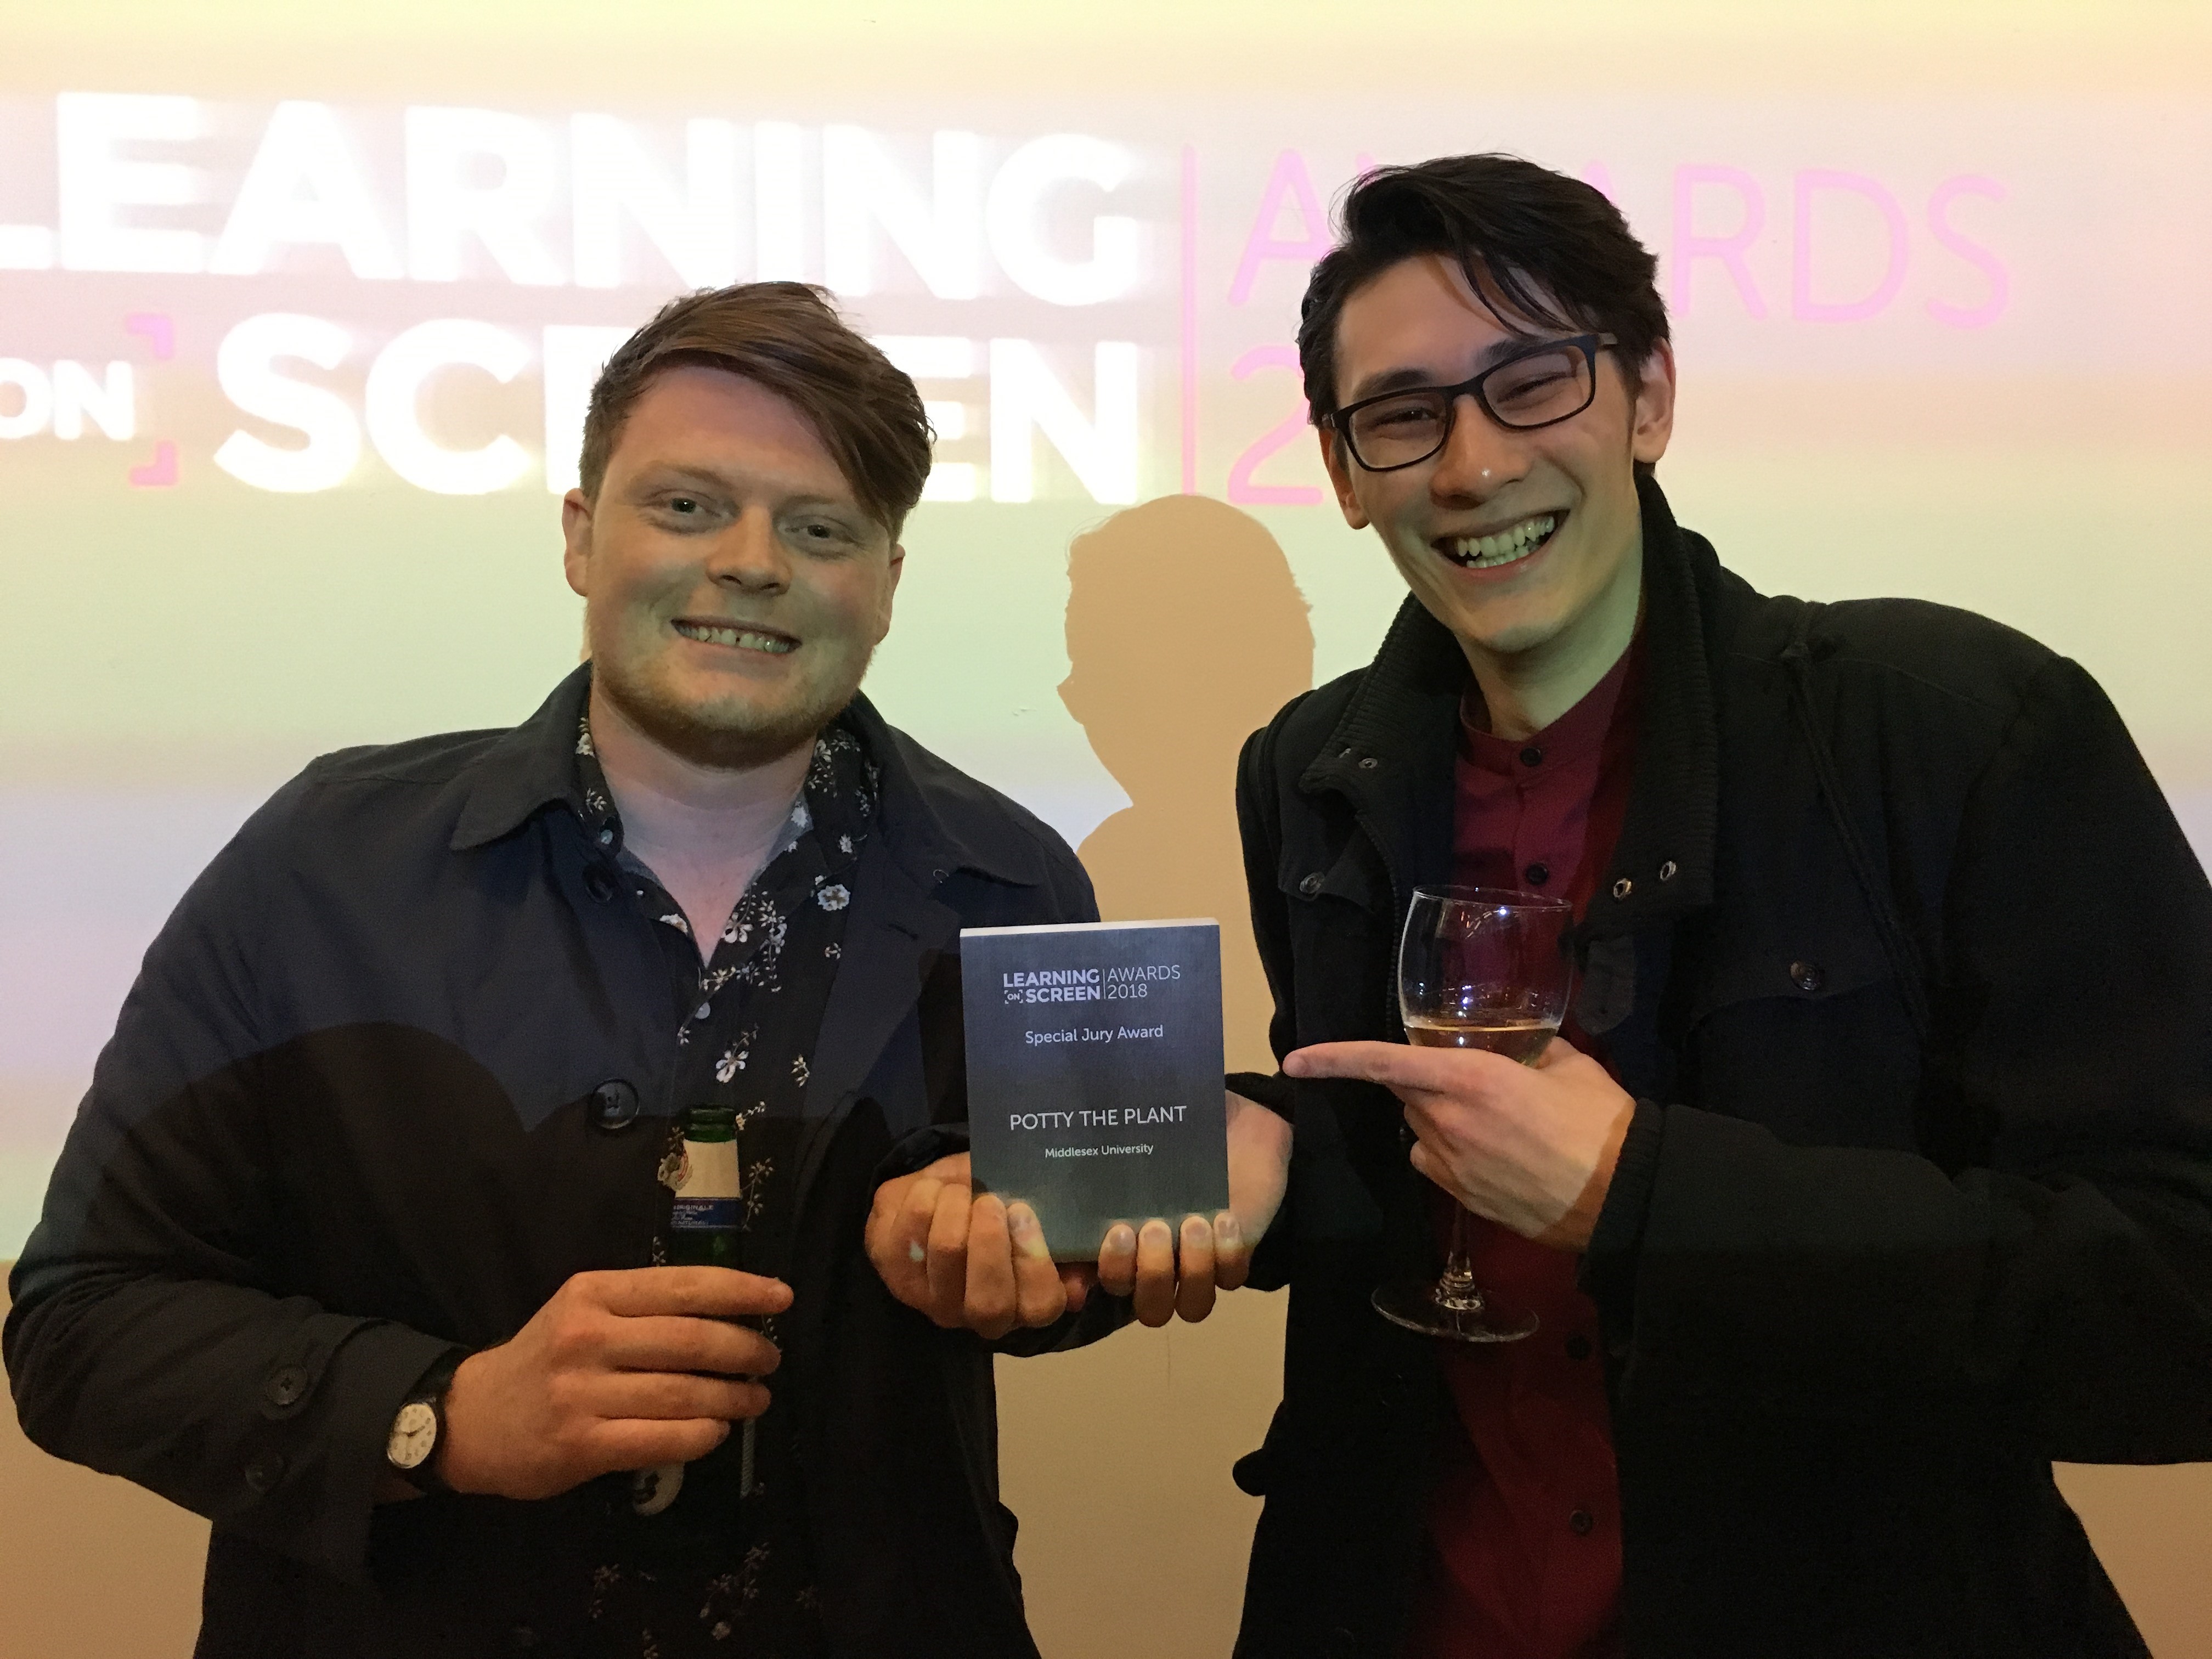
1552 381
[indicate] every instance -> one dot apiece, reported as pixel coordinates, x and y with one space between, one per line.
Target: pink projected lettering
1802 305
1288 186
1690 247
159 330
161 472
1242 492
1993 272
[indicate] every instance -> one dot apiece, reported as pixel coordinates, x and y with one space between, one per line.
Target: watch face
414 1432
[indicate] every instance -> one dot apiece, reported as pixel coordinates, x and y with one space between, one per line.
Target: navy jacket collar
930 818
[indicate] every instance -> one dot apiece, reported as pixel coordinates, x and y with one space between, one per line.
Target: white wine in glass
1478 968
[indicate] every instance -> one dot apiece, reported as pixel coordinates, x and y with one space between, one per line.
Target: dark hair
1553 248
787 338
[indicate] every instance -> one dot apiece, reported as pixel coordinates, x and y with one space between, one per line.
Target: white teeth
1505 547
741 636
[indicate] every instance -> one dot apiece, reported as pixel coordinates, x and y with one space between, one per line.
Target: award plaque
1094 1073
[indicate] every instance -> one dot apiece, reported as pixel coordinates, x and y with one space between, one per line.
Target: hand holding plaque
1094 1062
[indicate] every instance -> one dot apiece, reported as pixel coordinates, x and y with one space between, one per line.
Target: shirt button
1311 885
1538 873
1806 975
614 1104
1578 1346
704 1010
600 883
285 1386
606 837
1532 756
1580 1524
263 1472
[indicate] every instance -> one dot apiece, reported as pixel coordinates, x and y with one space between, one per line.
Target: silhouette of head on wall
1185 633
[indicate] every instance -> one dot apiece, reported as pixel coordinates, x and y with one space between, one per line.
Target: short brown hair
787 338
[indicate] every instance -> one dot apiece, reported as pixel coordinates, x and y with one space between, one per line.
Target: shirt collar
1574 737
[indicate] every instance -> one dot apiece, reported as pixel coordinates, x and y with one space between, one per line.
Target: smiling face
734 588
1527 544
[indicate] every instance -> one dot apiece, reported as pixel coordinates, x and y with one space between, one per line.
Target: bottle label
707 1194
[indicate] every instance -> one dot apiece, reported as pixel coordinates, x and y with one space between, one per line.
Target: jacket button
1668 870
614 1105
1532 756
1578 1346
1623 887
1311 885
1368 763
285 1386
1537 874
1580 1524
1806 975
263 1472
600 883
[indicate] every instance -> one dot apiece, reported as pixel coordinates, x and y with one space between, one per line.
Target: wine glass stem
1457 1284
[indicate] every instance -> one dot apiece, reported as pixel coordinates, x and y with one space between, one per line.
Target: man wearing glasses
1875 1172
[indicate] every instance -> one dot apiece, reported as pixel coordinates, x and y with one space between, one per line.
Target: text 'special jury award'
1094 1073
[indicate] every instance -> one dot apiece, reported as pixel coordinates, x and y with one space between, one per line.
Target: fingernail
1022 1227
1120 1238
1224 1231
915 1253
1156 1232
1194 1231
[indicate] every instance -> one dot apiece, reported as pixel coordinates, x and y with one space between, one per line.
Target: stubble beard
736 737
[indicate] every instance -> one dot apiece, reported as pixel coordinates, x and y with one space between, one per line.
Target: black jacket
1910 969
395 1069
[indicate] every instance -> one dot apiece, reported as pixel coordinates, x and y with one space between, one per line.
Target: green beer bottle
704 1230
703 1227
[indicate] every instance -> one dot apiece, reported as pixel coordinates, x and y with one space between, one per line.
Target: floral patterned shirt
723 1569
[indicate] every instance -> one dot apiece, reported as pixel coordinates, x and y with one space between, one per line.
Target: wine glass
1478 968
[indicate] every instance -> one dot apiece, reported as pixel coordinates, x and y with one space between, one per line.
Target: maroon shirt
1524 1527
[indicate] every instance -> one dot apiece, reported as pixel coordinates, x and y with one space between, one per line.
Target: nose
1480 458
750 554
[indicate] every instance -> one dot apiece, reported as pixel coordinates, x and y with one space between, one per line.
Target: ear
1652 417
576 538
897 569
1339 475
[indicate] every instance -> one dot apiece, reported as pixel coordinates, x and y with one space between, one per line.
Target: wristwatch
411 1449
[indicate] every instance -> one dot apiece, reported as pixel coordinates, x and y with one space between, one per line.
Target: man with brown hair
356 1247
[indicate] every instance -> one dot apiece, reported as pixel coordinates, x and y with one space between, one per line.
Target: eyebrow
663 474
1407 379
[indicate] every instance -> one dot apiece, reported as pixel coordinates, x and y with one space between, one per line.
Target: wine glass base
1422 1305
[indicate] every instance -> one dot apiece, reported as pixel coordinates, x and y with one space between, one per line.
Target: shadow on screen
1186 632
